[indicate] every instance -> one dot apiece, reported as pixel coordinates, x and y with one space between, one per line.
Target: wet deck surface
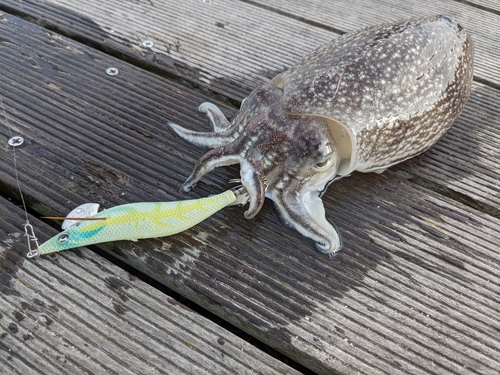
415 289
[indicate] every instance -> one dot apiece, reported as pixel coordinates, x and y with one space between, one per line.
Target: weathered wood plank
80 314
233 46
228 46
490 5
415 288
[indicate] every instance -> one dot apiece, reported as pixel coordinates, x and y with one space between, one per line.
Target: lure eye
63 238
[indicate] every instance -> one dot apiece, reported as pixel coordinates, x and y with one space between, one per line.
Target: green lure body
137 221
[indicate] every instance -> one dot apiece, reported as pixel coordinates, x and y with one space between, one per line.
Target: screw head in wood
148 43
112 71
16 141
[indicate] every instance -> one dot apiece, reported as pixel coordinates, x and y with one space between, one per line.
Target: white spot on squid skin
268 161
280 185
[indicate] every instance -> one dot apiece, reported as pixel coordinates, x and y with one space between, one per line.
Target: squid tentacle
218 120
217 157
205 139
251 178
306 214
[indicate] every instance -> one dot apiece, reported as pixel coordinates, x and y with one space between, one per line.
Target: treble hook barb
29 232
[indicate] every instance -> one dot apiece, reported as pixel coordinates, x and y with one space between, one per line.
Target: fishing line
29 232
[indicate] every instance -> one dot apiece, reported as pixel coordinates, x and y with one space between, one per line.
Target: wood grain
414 290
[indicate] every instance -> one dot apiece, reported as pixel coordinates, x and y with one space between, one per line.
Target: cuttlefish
363 102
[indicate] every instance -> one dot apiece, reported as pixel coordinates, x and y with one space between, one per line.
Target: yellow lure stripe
138 220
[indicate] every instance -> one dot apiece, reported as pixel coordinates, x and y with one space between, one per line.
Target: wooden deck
415 289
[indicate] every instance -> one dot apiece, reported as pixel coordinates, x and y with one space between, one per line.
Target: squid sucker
363 102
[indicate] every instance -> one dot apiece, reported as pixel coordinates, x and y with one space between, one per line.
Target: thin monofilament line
29 232
16 172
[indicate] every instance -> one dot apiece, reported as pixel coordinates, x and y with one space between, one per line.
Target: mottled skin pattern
363 102
397 87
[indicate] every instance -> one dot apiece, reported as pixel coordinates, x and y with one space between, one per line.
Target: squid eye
63 238
322 164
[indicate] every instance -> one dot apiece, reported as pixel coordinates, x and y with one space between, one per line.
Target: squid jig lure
136 221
